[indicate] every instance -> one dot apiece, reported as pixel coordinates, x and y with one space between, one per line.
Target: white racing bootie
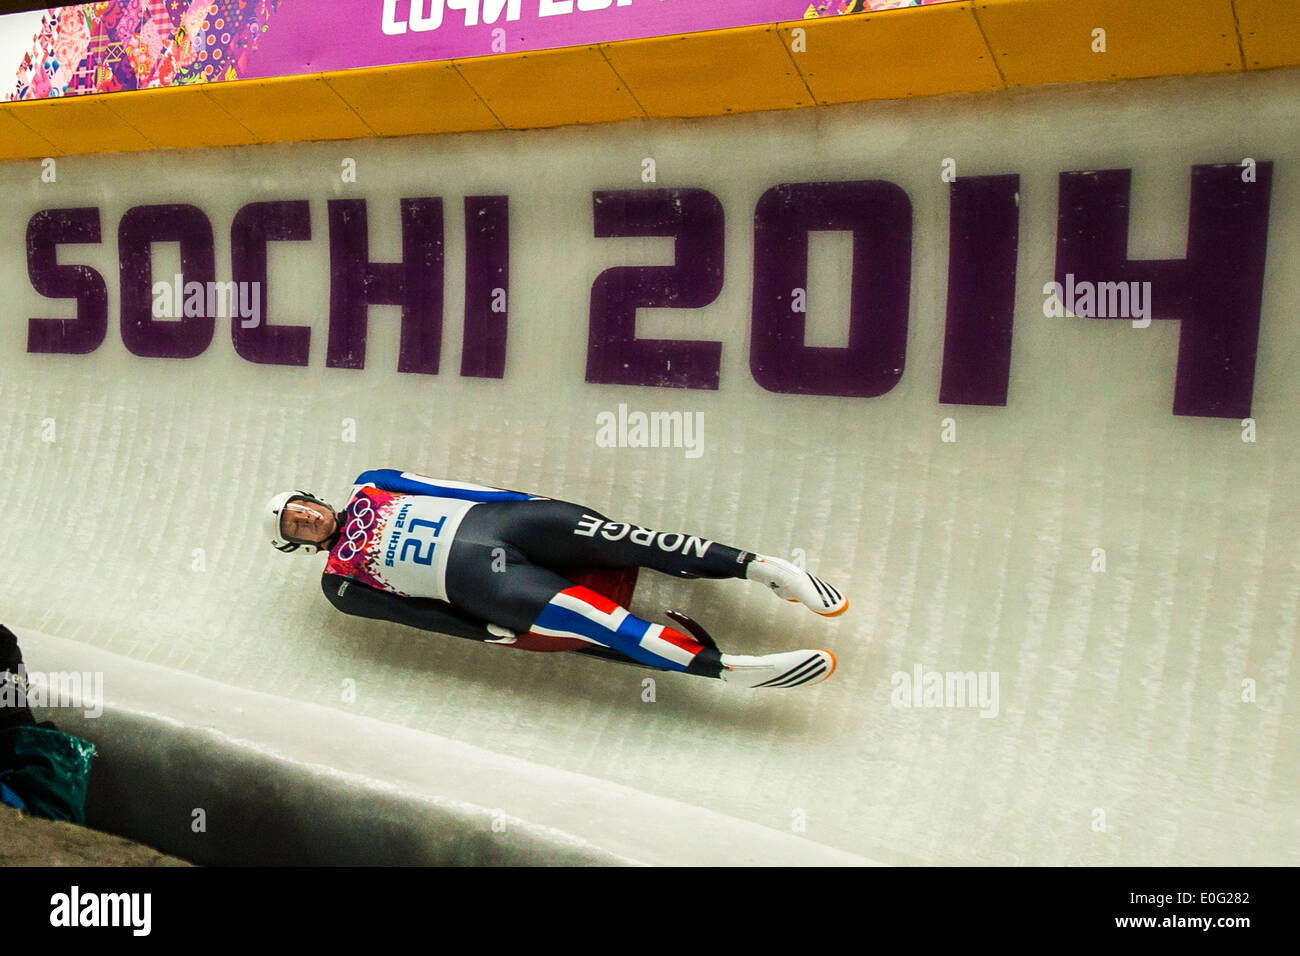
793 584
788 669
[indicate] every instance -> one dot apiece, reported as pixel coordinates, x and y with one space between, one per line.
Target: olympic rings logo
362 519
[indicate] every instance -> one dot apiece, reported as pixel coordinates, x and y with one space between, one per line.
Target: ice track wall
1129 577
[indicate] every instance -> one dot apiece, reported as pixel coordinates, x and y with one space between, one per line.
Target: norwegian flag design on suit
581 613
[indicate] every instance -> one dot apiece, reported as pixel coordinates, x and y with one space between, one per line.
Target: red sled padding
617 584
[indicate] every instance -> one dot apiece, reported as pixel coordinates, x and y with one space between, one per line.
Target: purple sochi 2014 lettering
254 226
694 219
879 215
141 227
415 284
1215 291
983 232
487 286
46 231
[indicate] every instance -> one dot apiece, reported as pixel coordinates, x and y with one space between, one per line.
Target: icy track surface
1146 713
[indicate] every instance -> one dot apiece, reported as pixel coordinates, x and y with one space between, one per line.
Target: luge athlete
490 564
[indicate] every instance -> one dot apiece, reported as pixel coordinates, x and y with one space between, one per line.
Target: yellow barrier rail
971 46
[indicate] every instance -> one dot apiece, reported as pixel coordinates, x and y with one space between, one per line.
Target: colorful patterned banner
139 44
136 44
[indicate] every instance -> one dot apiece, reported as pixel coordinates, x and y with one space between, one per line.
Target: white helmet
275 509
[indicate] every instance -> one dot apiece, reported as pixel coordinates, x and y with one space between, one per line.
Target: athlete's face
308 521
